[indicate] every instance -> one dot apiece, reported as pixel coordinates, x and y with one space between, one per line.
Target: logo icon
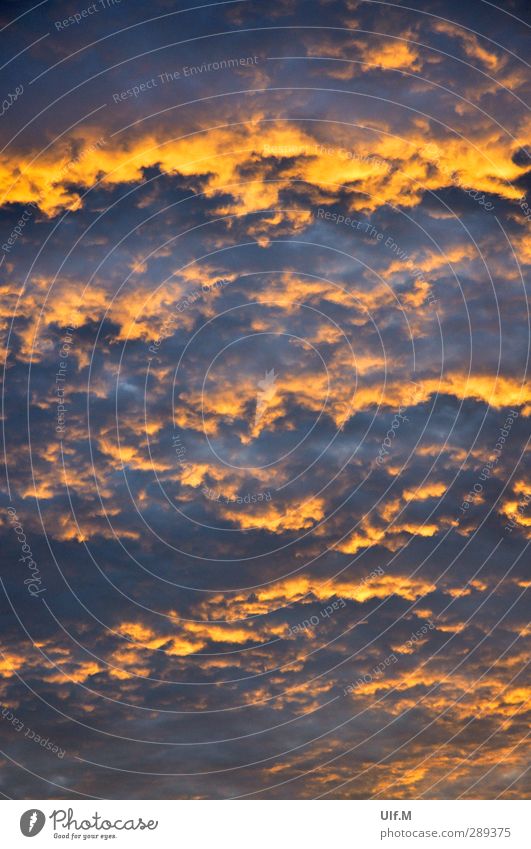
265 395
31 822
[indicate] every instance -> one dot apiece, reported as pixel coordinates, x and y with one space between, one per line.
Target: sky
266 409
